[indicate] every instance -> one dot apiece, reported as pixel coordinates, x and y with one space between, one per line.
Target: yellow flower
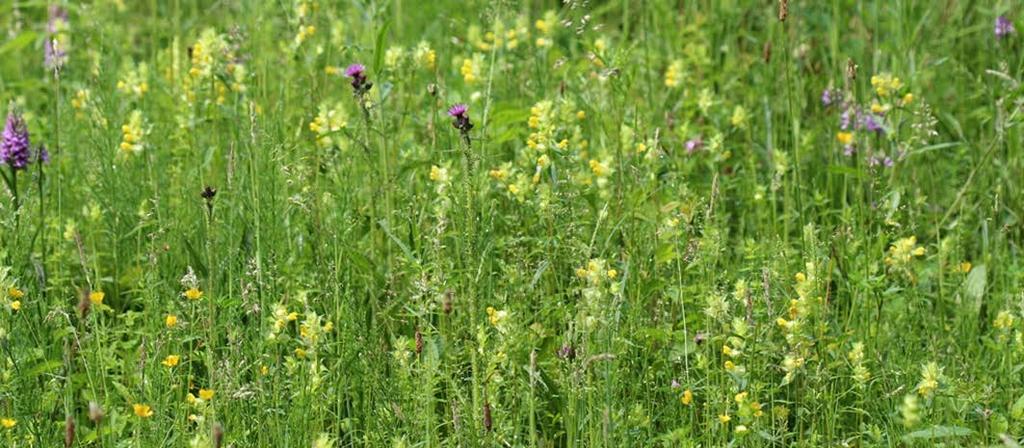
170 321
16 305
730 366
581 115
1004 320
844 138
96 297
931 373
171 360
724 418
8 423
264 370
132 133
612 273
142 410
739 117
206 394
965 267
193 294
687 397
908 98
300 353
15 293
674 74
438 174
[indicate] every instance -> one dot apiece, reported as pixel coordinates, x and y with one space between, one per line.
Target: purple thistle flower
460 119
355 71
359 82
693 145
458 110
826 97
1003 27
14 145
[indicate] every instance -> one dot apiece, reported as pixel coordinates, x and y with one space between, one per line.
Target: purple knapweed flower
359 82
1003 27
14 144
458 110
460 119
693 145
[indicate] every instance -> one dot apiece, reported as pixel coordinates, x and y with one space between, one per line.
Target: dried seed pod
69 431
419 341
488 423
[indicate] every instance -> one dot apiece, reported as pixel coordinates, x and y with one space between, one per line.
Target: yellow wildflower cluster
13 297
393 57
885 84
501 35
214 65
280 319
674 74
471 68
134 81
902 253
133 134
329 119
304 32
439 176
424 57
546 26
861 374
931 375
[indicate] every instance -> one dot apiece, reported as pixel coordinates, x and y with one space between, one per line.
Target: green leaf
43 367
1017 410
976 282
19 42
938 432
378 49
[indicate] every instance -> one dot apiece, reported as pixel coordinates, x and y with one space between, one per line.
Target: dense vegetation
491 223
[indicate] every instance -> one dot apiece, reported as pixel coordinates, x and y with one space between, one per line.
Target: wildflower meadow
497 223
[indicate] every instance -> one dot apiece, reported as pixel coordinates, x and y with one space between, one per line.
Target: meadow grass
702 223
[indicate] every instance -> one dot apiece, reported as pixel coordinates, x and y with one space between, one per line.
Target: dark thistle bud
208 194
783 10
699 338
419 341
